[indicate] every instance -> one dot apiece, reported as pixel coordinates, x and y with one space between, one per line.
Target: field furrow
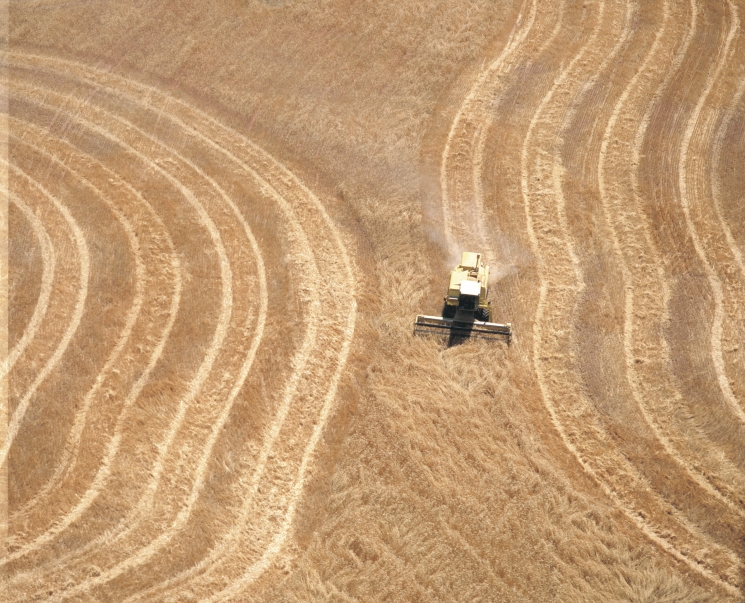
282 469
79 295
45 290
141 342
689 300
645 350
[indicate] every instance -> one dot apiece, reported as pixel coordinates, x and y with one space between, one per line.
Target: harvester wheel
483 314
448 311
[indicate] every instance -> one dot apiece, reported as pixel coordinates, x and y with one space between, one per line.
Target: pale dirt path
297 485
141 344
555 358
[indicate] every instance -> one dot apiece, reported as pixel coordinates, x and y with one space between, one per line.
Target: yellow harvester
466 309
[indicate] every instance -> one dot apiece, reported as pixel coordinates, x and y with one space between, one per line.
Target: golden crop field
222 219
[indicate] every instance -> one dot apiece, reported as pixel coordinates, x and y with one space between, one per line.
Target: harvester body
469 287
466 310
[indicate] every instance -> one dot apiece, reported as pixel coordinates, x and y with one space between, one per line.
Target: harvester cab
466 310
469 286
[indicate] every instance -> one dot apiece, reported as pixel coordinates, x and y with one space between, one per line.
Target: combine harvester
466 310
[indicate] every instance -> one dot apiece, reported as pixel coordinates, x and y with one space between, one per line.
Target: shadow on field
458 337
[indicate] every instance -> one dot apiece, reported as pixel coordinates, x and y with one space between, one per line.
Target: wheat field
221 221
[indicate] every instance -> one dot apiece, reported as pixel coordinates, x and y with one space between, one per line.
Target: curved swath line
82 249
716 178
558 169
633 378
636 161
70 452
270 439
273 432
637 156
538 336
194 388
203 463
711 275
144 554
275 547
288 175
113 446
67 522
258 568
640 133
208 119
275 428
611 56
479 142
475 104
47 277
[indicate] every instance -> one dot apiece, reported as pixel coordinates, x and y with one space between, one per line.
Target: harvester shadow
458 336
